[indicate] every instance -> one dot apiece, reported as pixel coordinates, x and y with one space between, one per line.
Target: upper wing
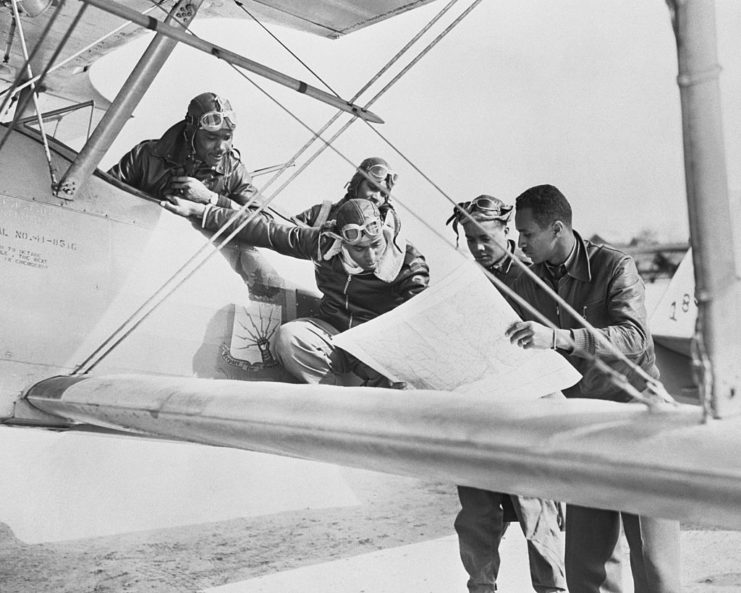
99 32
331 18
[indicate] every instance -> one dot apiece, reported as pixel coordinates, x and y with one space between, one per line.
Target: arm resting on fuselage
262 231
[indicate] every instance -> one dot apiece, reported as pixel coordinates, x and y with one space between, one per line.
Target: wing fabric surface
330 18
596 453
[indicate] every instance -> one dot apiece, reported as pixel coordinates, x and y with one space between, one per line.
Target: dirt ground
394 511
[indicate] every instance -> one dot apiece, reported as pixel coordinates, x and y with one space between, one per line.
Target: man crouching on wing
363 269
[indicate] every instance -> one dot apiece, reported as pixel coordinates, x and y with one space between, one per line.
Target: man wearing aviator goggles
361 268
484 515
194 159
373 180
213 121
352 234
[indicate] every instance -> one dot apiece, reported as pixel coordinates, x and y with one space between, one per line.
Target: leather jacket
151 164
348 299
602 285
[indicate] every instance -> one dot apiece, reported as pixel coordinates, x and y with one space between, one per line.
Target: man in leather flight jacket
194 159
362 267
602 285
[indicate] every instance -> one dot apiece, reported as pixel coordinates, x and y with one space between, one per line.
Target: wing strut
127 99
712 223
236 59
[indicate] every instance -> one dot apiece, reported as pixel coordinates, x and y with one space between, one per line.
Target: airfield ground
398 538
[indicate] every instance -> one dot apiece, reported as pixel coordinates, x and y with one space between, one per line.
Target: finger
518 335
517 325
518 339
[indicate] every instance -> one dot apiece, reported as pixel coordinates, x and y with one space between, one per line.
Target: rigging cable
21 71
356 96
382 71
288 49
20 107
79 52
9 43
34 93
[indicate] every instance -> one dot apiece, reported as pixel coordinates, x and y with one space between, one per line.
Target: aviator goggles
381 173
353 233
492 210
487 205
213 121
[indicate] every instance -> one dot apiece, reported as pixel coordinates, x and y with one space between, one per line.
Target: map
452 337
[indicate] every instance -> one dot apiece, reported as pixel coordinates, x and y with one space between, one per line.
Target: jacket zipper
347 301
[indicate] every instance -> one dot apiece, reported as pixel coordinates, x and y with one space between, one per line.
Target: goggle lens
381 173
483 203
353 233
378 171
214 120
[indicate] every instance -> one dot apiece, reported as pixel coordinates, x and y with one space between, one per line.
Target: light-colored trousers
304 347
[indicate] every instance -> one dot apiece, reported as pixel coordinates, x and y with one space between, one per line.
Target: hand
529 334
191 189
183 207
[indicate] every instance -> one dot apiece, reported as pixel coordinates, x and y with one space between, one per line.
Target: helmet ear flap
391 180
354 184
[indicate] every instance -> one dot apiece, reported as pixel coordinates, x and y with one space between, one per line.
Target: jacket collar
578 266
503 266
174 148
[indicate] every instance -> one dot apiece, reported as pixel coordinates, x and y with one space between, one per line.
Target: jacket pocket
596 313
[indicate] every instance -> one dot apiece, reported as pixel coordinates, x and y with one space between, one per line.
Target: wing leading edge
663 463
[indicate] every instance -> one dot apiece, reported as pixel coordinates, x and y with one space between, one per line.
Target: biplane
88 262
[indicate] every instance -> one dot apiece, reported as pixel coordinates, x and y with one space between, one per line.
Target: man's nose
371 257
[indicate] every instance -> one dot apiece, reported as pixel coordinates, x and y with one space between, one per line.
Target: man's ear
506 230
557 228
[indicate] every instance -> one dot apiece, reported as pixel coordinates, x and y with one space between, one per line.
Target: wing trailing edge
664 463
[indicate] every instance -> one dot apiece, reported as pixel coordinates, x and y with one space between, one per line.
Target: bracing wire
34 93
288 49
389 64
76 54
24 69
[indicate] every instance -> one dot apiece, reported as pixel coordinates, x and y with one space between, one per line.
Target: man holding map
602 285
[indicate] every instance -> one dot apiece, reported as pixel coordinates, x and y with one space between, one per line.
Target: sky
580 94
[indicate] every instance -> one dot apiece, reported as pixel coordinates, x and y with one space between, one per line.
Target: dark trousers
593 562
480 526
